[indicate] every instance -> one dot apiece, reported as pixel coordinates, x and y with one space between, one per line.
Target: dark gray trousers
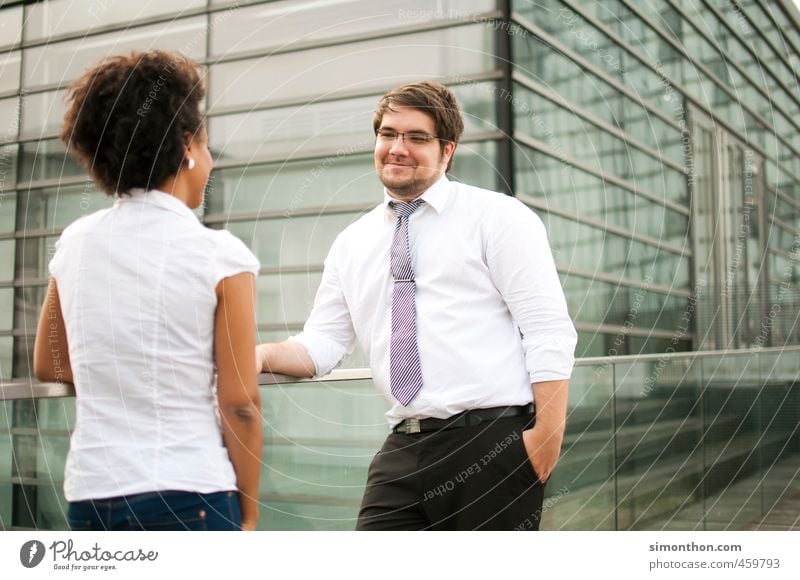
467 478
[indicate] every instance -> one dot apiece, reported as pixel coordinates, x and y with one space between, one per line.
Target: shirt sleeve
523 270
232 257
328 333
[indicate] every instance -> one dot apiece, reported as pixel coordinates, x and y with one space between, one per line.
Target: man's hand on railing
286 358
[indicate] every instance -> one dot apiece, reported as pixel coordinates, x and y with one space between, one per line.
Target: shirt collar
159 199
435 196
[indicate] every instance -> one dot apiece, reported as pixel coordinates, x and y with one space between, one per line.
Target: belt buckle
412 426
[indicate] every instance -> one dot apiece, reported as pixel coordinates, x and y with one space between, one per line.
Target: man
453 296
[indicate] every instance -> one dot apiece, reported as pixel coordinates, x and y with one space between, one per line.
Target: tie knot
403 209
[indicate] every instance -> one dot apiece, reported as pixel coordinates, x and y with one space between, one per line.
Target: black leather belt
464 419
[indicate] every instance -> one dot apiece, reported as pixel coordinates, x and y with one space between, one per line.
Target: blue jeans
158 510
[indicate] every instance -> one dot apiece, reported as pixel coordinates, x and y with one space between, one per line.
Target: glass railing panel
658 450
319 440
779 409
580 493
54 421
5 464
682 442
732 441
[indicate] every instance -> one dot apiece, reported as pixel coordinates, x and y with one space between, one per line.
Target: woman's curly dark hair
128 118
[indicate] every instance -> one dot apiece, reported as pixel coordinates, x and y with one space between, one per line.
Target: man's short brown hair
432 98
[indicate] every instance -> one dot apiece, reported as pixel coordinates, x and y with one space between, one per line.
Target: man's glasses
411 138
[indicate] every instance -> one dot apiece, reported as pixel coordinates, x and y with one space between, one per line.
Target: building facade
659 141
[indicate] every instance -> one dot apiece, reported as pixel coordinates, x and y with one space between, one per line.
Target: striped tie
405 374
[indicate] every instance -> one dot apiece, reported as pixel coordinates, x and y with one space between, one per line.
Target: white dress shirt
491 313
137 284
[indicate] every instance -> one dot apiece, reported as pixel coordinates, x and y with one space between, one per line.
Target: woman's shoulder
231 254
84 224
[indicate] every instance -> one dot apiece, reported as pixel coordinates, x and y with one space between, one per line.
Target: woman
143 302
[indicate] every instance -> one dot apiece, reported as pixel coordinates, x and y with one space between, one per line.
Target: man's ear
448 151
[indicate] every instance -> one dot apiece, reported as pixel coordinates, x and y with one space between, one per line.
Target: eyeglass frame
428 138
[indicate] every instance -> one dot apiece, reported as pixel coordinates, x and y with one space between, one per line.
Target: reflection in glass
57 17
10 63
279 25
60 62
46 159
353 67
54 208
43 113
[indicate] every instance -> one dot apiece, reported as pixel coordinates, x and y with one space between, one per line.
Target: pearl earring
191 163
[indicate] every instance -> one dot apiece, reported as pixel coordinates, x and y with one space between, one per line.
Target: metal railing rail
18 389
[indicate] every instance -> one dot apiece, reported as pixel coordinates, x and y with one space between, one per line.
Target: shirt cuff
553 361
324 352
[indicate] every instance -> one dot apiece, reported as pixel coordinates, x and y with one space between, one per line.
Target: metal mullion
783 225
603 226
618 328
537 145
621 281
281 213
487 76
781 253
682 50
278 270
579 60
277 326
786 197
480 137
786 37
749 49
597 121
700 66
504 111
118 27
353 38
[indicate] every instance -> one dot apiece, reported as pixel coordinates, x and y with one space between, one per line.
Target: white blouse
137 284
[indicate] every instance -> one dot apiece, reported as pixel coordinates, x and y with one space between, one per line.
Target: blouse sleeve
57 261
232 257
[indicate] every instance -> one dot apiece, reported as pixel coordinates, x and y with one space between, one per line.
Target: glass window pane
339 126
58 207
6 308
281 24
33 257
7 248
9 118
291 242
6 362
43 113
56 17
286 299
591 248
8 207
476 164
61 62
47 160
10 64
564 186
294 185
10 25
359 66
8 170
27 307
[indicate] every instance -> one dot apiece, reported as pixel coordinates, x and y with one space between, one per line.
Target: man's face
406 166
